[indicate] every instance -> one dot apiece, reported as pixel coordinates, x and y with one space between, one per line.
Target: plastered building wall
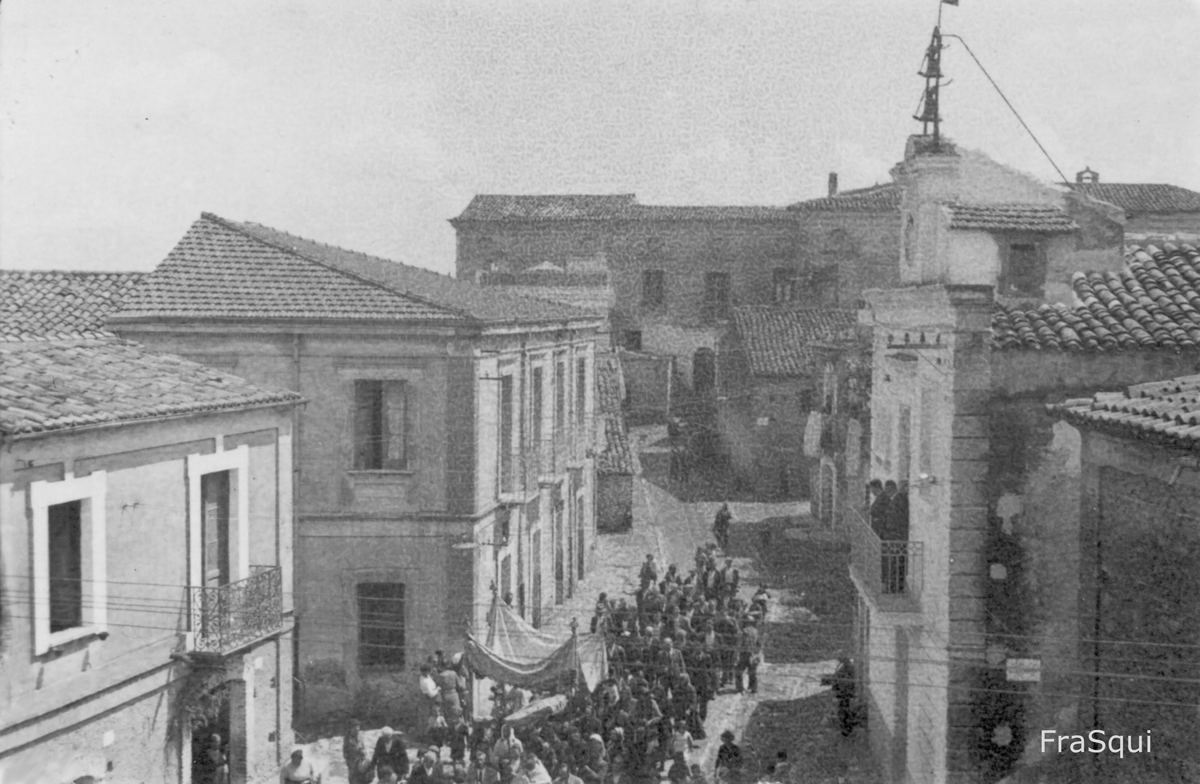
110 697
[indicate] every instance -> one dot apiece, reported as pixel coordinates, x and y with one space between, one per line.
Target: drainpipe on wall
297 680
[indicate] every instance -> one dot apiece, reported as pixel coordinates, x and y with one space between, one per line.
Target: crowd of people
683 639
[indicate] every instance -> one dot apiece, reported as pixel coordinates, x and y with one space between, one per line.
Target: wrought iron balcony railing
892 572
227 617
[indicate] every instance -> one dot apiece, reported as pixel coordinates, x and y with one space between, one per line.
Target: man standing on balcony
878 507
894 536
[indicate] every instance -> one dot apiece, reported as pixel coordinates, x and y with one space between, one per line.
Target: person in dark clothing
749 657
894 538
878 507
845 686
721 526
729 756
358 764
390 752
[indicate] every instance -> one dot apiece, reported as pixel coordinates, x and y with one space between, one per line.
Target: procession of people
682 639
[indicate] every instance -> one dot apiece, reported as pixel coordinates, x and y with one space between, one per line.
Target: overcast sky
368 124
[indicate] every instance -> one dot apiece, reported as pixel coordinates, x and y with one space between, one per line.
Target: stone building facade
445 448
1137 581
146 561
676 273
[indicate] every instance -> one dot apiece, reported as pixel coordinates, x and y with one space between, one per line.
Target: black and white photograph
608 392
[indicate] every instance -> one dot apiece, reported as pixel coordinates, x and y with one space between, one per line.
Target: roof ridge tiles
233 226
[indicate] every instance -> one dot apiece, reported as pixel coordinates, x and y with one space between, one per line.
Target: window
716 295
785 286
535 415
654 289
926 449
70 589
560 398
380 426
581 392
214 524
381 624
506 434
904 447
631 339
65 525
1025 273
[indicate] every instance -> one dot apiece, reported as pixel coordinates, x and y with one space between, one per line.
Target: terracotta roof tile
671 212
57 305
53 385
877 198
1140 198
1153 303
1010 217
778 342
615 457
1166 410
501 207
577 207
228 270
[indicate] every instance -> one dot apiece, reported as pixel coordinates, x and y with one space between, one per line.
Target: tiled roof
223 269
669 212
1040 218
778 342
1153 303
877 198
1137 198
51 304
54 385
1164 410
615 457
500 207
496 207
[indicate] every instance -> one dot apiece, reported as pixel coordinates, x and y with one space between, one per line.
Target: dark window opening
1026 272
506 434
535 414
654 289
65 522
381 624
631 339
214 528
560 398
704 370
581 392
716 295
785 285
380 425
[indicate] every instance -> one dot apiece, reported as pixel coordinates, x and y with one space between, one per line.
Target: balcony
231 616
889 574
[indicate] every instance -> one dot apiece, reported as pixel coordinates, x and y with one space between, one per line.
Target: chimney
1087 176
833 183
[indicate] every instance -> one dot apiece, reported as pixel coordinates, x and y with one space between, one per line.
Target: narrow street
808 624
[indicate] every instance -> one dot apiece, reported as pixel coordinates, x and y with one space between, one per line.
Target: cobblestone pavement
671 530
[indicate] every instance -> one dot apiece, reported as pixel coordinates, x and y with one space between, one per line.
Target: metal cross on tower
932 71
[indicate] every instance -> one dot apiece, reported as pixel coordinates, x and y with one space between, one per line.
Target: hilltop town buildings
145 550
980 645
446 450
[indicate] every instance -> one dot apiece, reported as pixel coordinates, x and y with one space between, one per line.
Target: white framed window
218 515
70 572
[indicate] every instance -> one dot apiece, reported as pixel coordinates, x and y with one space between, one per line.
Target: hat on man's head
386 731
456 658
727 735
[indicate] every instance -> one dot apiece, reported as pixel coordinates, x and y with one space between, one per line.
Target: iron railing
226 617
891 572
